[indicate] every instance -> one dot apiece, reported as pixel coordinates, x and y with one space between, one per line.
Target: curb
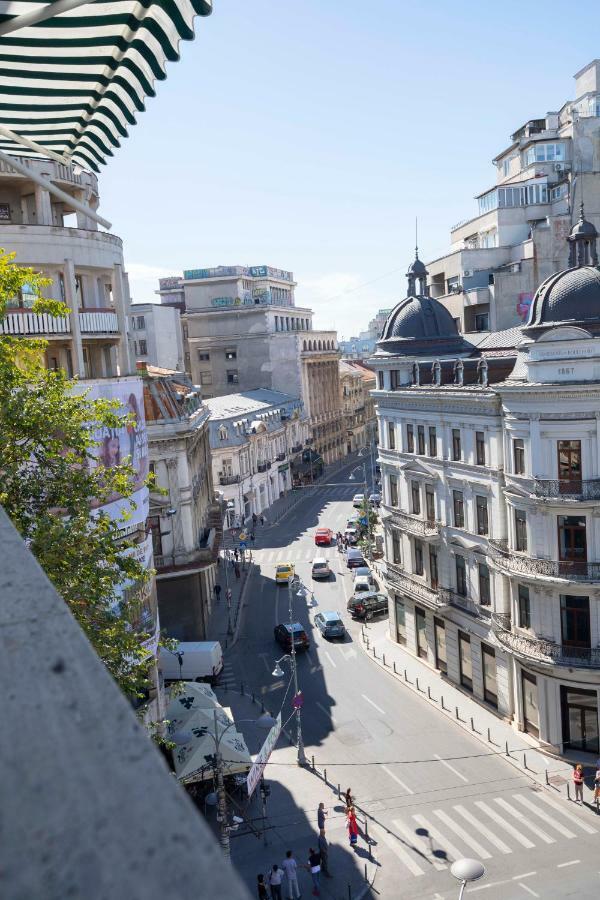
236 632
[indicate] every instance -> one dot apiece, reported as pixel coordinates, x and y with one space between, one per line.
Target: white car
375 499
362 570
363 585
358 500
320 568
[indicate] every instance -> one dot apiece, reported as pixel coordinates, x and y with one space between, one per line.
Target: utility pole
299 741
222 802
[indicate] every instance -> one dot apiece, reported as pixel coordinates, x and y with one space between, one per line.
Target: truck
192 661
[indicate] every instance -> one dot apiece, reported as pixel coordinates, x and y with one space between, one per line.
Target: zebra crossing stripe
396 847
496 817
520 817
444 844
481 852
567 815
524 801
414 840
482 829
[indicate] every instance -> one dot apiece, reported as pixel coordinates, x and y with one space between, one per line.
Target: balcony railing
542 650
280 457
229 479
296 448
416 589
100 322
413 524
263 466
584 489
570 570
26 322
466 604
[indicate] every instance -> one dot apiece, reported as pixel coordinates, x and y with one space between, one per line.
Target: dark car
354 558
366 606
283 636
330 624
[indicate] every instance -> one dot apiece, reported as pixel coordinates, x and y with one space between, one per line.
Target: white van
320 567
192 661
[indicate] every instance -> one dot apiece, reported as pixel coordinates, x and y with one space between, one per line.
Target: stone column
597 416
71 301
121 306
43 207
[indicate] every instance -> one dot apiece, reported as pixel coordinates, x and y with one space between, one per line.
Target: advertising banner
256 772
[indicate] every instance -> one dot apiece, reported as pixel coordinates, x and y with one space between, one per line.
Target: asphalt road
432 792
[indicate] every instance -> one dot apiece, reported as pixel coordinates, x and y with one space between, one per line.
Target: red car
323 537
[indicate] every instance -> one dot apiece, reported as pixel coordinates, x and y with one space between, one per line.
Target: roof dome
417 267
584 228
569 296
419 318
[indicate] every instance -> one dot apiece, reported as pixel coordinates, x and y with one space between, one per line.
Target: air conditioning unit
467 273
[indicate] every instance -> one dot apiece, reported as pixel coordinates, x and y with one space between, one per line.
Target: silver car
330 624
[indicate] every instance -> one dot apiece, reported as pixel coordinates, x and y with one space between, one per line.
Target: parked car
366 606
354 558
375 499
323 537
330 624
283 636
361 570
365 584
320 568
358 500
284 573
352 535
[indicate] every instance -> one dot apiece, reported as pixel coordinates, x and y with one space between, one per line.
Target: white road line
396 847
572 862
520 817
526 875
567 815
524 841
378 708
528 889
443 843
464 835
330 658
524 801
396 779
416 841
444 762
327 712
482 829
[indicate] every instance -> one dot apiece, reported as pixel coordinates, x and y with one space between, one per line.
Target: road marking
414 839
524 841
572 862
350 653
330 658
397 780
520 817
452 769
465 836
327 712
492 838
378 708
571 818
441 840
396 847
542 815
526 875
528 889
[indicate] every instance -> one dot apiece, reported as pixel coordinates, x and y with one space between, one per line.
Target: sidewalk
553 773
224 623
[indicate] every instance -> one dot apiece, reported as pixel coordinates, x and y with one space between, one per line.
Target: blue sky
308 135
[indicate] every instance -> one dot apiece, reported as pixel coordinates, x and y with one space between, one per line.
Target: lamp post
466 870
278 672
365 501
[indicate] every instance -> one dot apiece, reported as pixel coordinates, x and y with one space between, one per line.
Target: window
519 456
480 448
391 435
482 515
418 557
432 441
206 378
466 667
456 444
410 439
415 494
394 379
461 575
400 619
421 439
154 526
531 713
396 554
141 322
222 433
520 530
231 354
484 584
393 490
433 568
523 607
203 356
380 380
233 376
429 504
569 465
490 685
544 153
439 630
482 322
143 348
575 621
421 632
459 509
572 542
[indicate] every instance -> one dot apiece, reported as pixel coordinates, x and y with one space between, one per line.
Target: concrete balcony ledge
565 570
541 650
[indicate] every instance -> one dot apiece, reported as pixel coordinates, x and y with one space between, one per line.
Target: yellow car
284 573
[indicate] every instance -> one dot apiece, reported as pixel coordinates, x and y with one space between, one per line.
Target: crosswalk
484 828
226 678
295 554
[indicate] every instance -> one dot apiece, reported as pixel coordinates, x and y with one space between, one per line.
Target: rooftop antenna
416 237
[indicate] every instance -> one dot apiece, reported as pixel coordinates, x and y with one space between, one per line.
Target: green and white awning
74 74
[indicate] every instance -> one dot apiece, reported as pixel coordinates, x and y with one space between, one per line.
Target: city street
432 792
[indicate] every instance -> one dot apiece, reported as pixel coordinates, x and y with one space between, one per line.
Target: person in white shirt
290 867
275 879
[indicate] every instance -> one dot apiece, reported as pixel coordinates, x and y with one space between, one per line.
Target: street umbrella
193 731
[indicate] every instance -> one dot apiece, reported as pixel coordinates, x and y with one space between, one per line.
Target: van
320 568
354 558
192 661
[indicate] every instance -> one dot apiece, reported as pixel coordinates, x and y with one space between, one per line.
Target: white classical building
490 460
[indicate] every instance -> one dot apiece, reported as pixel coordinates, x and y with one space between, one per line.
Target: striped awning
75 81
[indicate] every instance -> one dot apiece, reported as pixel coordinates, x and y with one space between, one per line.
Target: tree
49 485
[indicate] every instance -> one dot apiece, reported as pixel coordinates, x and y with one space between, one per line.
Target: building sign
256 772
523 304
258 271
167 284
225 301
4 212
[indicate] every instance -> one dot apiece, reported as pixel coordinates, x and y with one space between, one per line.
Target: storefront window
466 667
421 632
531 713
490 686
441 659
400 619
579 719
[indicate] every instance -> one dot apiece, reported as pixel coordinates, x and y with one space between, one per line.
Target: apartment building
356 383
517 239
156 335
490 460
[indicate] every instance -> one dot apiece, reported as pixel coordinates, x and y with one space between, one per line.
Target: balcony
465 604
416 589
280 457
101 321
541 650
229 479
519 564
26 323
475 296
412 524
263 466
205 552
586 489
297 448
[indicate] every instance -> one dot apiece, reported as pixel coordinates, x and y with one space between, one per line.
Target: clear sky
308 134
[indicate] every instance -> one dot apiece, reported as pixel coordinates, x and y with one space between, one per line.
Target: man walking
290 867
321 818
314 864
217 590
324 851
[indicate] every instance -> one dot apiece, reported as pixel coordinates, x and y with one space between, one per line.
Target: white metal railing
98 322
34 323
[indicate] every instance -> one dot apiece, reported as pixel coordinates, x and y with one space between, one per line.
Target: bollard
489 738
405 676
253 697
339 792
262 706
367 831
313 763
472 724
374 653
524 760
417 683
384 660
547 781
395 667
442 701
456 712
325 775
366 878
429 692
349 893
506 745
568 791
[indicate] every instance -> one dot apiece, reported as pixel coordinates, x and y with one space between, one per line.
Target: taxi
284 573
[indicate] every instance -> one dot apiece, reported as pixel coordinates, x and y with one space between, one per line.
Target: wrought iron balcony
520 564
465 604
296 448
229 479
542 650
413 524
263 466
584 489
417 589
280 457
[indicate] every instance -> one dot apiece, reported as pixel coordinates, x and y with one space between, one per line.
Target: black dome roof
569 296
419 325
417 267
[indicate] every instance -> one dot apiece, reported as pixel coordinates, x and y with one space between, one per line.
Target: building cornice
486 405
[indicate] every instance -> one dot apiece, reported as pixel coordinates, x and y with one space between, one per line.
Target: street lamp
352 477
278 672
466 870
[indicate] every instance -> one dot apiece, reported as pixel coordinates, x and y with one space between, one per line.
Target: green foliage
49 489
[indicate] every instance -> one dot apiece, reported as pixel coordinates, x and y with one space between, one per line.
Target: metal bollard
568 791
367 831
374 653
325 775
253 697
242 689
313 763
456 712
506 745
339 792
547 780
262 706
442 701
429 692
405 676
394 667
349 893
489 738
472 724
384 660
524 760
366 877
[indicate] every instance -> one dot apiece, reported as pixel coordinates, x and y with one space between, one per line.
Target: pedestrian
261 888
217 590
262 519
290 867
314 865
237 569
275 879
349 799
321 813
352 826
228 596
236 553
578 781
324 851
254 519
597 782
252 536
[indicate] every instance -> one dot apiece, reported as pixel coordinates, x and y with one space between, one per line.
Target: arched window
459 372
436 372
320 345
223 433
482 372
416 375
304 345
